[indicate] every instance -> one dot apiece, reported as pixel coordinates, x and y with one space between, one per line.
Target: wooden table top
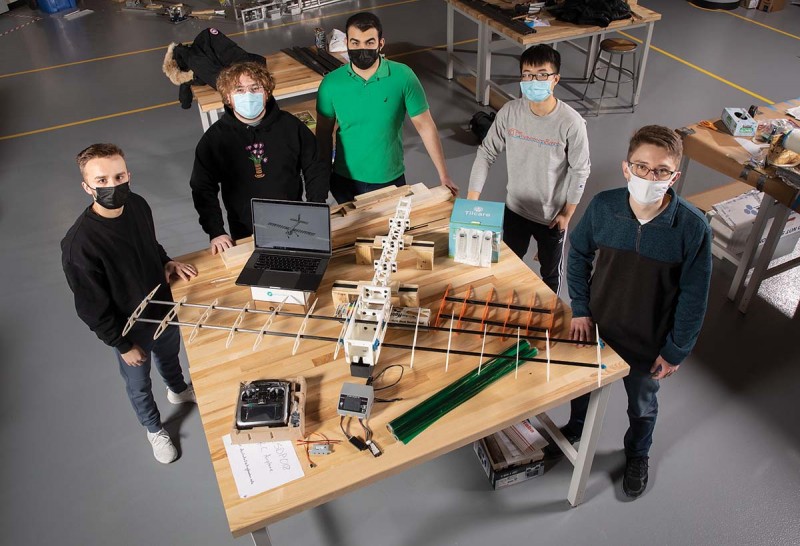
217 372
719 150
290 77
559 30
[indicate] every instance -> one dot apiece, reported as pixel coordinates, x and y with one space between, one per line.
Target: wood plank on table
216 373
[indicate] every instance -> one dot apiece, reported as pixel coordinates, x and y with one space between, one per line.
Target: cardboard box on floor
771 5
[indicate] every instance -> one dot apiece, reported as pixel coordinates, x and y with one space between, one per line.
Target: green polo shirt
369 141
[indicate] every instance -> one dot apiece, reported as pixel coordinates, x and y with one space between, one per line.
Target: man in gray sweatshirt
548 163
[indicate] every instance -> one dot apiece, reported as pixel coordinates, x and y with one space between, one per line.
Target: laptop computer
293 245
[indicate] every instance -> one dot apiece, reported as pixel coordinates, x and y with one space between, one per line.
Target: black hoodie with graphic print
244 161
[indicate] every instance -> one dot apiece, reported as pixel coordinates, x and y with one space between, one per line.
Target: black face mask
113 197
363 58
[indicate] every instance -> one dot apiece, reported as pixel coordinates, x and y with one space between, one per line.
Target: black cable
372 380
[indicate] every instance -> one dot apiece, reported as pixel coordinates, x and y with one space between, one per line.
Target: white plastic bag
337 41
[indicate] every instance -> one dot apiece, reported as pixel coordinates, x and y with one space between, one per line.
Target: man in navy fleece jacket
647 290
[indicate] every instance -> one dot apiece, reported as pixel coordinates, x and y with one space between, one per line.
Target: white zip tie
547 349
599 364
414 343
483 345
449 340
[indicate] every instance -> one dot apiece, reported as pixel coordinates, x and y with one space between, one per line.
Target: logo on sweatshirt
257 157
520 135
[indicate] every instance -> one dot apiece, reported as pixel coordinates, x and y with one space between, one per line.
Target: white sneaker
163 449
181 397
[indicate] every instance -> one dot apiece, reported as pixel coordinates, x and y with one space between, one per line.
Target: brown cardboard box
274 434
771 5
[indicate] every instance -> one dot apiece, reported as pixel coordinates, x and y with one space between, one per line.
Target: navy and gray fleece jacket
649 288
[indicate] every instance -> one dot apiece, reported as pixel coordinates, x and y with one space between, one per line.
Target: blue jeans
642 412
345 189
163 352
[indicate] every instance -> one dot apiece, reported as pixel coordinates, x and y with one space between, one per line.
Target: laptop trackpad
280 279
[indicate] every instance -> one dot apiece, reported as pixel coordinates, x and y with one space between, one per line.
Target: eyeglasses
539 76
252 89
643 171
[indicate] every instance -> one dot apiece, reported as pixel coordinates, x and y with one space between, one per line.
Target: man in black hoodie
254 150
112 260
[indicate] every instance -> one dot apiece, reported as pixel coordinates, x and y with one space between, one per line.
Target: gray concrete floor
75 466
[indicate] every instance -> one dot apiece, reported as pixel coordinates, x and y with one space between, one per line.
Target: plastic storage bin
53 6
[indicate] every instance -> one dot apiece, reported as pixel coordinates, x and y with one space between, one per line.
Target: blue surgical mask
248 105
536 91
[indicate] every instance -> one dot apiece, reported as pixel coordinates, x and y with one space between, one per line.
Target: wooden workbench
557 32
717 149
291 79
217 372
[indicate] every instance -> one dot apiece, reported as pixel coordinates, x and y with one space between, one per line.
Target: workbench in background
717 149
557 32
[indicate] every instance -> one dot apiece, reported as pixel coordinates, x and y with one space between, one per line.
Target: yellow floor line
129 53
90 120
743 18
701 70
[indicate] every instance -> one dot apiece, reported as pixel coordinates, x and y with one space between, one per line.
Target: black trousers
517 233
345 189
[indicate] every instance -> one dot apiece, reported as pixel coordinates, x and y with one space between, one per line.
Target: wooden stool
620 47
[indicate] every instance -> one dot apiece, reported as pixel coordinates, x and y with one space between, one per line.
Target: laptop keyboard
275 262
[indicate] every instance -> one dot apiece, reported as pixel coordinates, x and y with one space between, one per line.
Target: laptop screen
291 225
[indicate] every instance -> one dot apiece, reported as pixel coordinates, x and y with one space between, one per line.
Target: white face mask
647 192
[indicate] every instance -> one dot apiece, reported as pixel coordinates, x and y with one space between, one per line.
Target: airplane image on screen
295 229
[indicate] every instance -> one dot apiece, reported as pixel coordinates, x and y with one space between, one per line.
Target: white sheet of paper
260 467
751 147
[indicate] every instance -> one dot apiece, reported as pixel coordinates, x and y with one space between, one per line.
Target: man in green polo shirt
369 99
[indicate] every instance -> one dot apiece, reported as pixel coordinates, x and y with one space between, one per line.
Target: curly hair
228 78
97 151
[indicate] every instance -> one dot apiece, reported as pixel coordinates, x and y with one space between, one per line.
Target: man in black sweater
112 260
254 150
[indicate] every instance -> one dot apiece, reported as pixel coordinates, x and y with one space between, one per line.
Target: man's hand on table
221 243
184 271
581 329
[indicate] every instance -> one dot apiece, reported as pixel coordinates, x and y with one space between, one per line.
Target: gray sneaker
163 448
181 397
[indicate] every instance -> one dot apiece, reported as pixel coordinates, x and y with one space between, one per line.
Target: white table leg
764 212
643 64
450 17
484 64
683 168
762 264
203 119
594 43
591 432
261 537
213 116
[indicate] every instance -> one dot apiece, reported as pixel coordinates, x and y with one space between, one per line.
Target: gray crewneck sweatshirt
548 158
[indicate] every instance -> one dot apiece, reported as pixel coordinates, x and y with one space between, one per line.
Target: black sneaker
635 481
552 451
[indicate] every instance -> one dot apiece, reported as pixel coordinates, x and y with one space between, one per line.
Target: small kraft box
771 5
501 476
293 430
739 122
473 217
